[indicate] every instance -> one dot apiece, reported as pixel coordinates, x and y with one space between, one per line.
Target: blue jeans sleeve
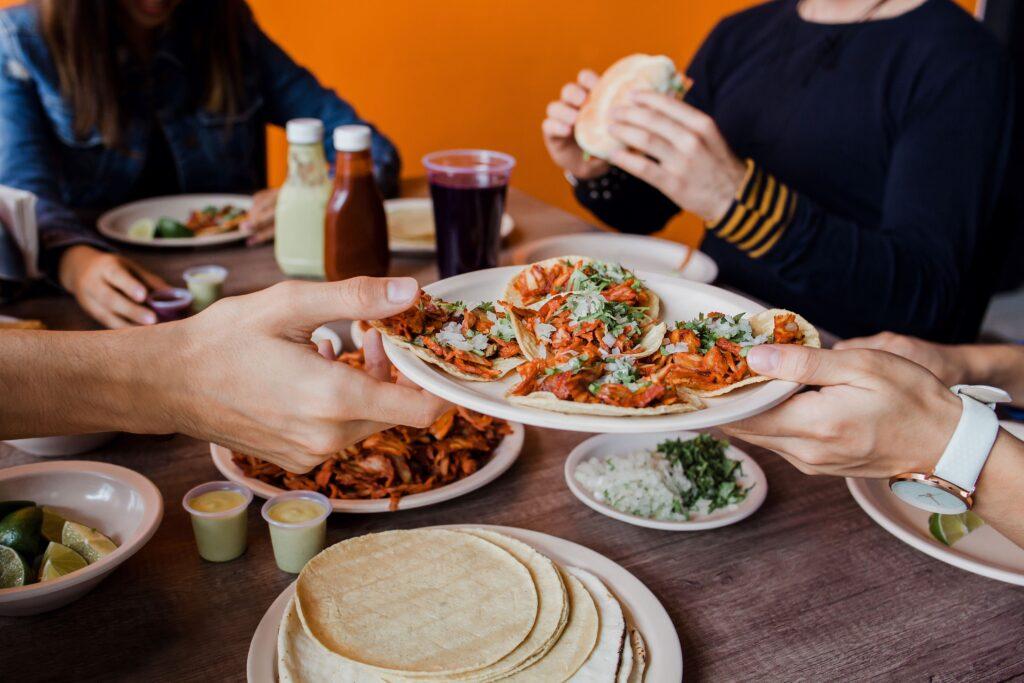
28 159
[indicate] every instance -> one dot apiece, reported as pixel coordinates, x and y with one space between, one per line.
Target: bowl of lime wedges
66 525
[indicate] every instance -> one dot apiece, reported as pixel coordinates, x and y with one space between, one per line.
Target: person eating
103 102
845 156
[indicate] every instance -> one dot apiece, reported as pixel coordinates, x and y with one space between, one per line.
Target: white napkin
18 218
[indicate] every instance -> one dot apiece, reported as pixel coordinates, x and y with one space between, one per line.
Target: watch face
928 497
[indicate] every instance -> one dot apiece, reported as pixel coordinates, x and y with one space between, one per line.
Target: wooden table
809 588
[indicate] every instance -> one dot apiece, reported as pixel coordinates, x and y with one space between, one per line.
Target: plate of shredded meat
399 468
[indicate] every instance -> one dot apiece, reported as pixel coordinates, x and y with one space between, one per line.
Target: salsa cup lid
216 486
318 498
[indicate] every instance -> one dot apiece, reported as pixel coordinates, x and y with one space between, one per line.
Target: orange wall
474 73
477 73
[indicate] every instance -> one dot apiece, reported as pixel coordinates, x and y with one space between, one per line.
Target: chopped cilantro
712 474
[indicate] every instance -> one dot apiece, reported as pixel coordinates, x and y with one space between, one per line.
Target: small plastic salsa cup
171 303
206 283
220 533
297 542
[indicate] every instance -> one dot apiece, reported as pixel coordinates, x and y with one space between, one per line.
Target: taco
708 354
539 281
472 343
587 323
630 74
576 383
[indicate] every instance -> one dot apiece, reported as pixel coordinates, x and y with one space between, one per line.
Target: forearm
81 382
998 365
999 497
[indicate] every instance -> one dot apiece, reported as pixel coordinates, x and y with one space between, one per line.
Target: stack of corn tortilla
464 605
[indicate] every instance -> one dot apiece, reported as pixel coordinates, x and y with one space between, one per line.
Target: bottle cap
351 138
305 131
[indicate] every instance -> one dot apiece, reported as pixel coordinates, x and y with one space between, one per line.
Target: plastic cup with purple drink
468 188
171 303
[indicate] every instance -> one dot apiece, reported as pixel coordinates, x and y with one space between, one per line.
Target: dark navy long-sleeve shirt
877 155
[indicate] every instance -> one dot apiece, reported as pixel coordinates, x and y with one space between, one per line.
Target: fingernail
149 319
763 359
401 290
139 294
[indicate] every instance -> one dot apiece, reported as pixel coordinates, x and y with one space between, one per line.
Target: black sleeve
908 268
627 203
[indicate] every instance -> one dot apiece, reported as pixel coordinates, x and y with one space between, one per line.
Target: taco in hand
577 383
563 274
586 323
709 353
472 343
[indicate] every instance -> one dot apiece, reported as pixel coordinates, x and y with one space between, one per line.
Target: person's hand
558 129
108 287
259 225
945 362
679 150
875 414
246 376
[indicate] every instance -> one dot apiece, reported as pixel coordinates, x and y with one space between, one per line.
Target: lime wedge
13 568
972 521
59 560
89 543
142 229
53 524
948 529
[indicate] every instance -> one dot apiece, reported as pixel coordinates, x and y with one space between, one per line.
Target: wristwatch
949 488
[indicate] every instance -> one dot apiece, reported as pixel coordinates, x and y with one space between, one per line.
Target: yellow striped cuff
760 212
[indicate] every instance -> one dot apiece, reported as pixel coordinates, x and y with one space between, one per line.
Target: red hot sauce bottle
355 227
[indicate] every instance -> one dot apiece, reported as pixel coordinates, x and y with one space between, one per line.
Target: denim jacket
76 178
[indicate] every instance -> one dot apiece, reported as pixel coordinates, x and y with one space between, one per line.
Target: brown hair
83 38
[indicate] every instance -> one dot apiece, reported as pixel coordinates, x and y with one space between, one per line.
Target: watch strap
968 449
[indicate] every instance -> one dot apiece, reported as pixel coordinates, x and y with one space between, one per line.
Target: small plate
619 444
115 223
680 299
504 455
636 252
411 225
642 608
984 551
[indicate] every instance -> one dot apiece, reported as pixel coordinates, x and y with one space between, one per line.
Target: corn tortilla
426 601
502 365
575 644
764 323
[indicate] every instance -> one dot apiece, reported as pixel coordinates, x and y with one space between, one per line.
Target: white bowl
73 444
122 504
617 445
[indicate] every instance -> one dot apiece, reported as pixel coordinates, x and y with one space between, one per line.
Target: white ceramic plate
680 300
123 504
623 444
636 252
115 223
418 214
504 455
984 551
642 608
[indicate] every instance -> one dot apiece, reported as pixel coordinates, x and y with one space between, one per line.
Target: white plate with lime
953 539
160 221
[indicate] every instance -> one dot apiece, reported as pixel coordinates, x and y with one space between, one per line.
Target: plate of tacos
586 345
